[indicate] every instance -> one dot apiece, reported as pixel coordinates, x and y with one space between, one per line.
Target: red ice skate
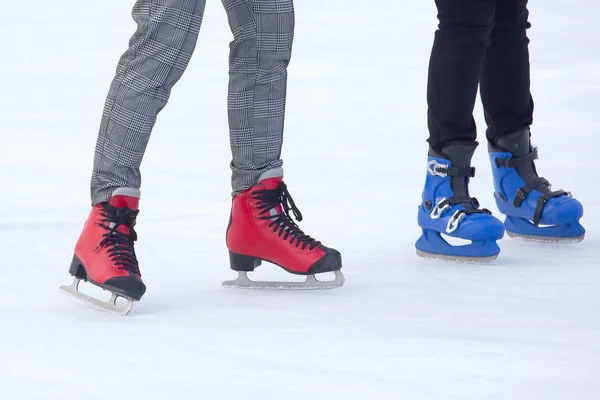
261 229
105 255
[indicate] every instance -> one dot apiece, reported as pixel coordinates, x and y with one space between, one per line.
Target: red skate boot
261 229
105 256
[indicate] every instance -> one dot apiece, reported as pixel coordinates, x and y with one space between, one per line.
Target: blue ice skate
448 209
533 211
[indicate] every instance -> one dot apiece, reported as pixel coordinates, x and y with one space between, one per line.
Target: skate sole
311 283
109 306
457 259
545 239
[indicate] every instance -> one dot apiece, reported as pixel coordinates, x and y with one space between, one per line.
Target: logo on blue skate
436 169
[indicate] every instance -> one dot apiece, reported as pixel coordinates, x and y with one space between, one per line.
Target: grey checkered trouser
159 53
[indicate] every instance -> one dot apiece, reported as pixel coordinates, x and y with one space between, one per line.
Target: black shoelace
119 246
283 224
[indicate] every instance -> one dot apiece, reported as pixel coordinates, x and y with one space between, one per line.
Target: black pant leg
505 80
455 68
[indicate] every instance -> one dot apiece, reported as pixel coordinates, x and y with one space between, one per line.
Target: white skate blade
311 283
545 239
108 306
457 259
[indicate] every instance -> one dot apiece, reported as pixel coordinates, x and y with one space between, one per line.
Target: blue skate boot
533 211
448 209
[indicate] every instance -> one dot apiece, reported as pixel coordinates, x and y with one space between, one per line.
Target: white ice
525 327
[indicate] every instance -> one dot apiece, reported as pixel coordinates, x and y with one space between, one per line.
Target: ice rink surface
526 327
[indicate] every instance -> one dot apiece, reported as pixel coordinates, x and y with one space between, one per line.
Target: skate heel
77 269
240 262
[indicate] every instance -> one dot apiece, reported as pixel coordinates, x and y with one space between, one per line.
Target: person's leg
157 56
455 68
260 52
505 82
262 227
534 211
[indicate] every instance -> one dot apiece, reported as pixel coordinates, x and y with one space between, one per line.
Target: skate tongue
459 153
271 178
271 183
516 143
519 144
125 197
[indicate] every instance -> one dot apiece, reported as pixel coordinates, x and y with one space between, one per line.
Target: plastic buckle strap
541 203
523 192
520 197
527 158
505 162
455 220
468 172
437 211
514 162
537 214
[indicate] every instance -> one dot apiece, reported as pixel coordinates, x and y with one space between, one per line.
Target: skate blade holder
523 229
545 239
457 259
109 306
311 283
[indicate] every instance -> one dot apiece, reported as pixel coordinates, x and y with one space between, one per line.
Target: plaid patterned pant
159 53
